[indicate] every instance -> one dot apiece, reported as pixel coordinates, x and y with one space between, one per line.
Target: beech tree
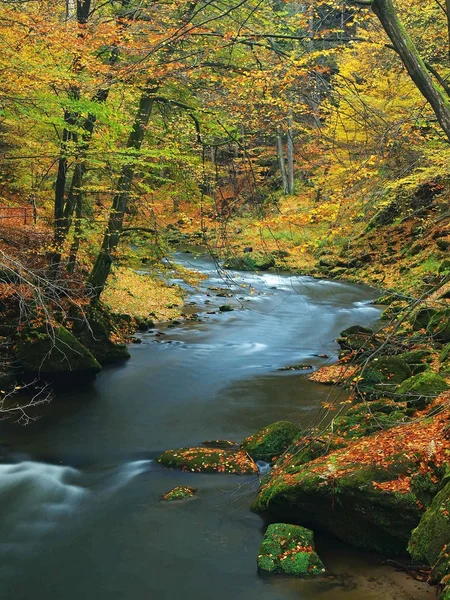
435 92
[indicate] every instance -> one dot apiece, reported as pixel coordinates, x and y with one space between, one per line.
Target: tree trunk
102 266
290 155
280 152
447 9
406 49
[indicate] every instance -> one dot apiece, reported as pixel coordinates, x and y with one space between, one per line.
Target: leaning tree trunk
409 55
102 266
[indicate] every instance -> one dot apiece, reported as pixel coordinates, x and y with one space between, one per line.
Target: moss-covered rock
419 390
355 329
444 356
440 573
96 330
382 375
352 503
417 360
56 355
208 460
358 340
444 267
422 317
366 418
270 441
439 326
433 531
250 261
289 549
181 492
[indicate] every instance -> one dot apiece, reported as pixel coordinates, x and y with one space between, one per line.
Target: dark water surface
80 514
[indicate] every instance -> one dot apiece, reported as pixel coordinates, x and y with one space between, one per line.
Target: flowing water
80 510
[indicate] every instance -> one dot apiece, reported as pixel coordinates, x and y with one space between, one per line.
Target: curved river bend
80 510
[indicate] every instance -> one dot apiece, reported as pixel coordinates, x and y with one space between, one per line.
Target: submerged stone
208 460
270 441
289 549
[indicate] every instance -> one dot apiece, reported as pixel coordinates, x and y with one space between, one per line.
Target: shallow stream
80 510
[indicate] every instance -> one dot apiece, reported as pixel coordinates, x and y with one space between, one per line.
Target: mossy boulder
208 460
289 549
354 502
181 492
55 355
444 267
358 340
382 375
422 317
439 326
419 390
433 531
417 360
355 329
250 261
96 330
445 354
366 418
270 441
440 573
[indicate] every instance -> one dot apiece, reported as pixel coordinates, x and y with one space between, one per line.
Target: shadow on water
80 510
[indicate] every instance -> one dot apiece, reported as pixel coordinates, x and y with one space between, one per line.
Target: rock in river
208 460
289 549
270 441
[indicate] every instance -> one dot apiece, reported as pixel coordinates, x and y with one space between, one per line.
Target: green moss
289 549
95 329
251 261
181 492
419 390
433 531
417 360
382 375
445 354
348 506
439 326
270 441
208 460
55 355
366 418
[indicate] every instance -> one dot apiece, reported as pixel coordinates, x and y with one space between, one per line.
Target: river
80 510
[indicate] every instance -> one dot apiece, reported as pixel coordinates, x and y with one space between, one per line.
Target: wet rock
289 549
254 261
352 503
57 356
226 308
181 492
382 376
208 460
433 531
270 441
96 330
419 390
223 444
